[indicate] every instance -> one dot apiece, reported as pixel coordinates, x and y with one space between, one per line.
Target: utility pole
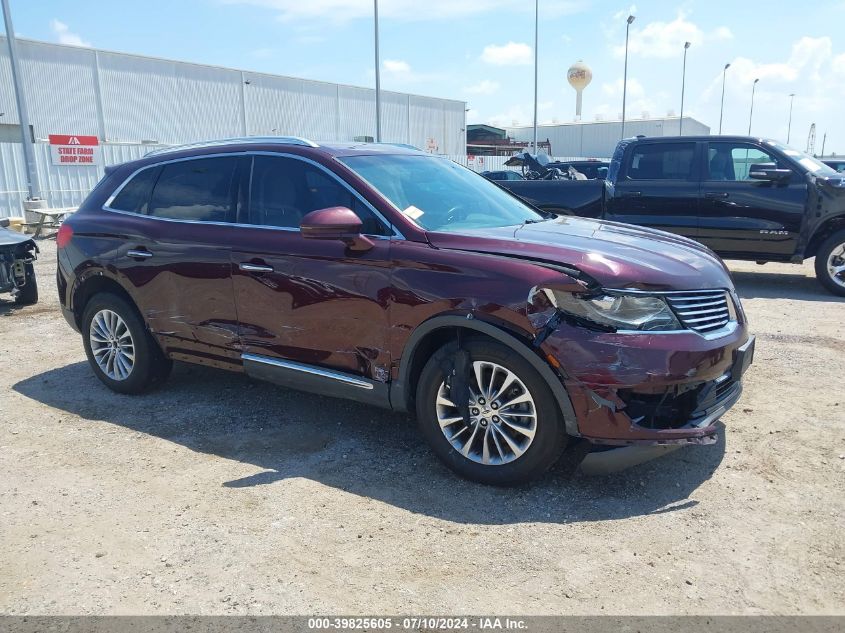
751 113
631 18
722 108
683 85
33 185
378 75
789 125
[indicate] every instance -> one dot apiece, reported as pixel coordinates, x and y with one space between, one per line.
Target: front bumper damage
645 394
16 251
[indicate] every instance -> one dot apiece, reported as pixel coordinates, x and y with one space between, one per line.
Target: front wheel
121 352
28 295
830 263
513 431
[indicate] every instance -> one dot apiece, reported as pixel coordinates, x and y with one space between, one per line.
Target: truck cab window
732 161
662 161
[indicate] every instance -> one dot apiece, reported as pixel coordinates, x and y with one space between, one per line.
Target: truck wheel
28 295
830 263
514 432
121 351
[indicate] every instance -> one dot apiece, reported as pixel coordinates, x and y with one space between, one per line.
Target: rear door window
135 194
202 189
662 161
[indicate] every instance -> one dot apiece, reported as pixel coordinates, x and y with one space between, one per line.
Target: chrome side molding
311 370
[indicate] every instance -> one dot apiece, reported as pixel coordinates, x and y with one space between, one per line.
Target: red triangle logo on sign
73 141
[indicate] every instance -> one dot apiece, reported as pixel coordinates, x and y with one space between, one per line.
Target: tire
504 466
832 253
149 366
28 295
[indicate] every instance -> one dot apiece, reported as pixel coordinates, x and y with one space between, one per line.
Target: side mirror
768 171
335 223
4 222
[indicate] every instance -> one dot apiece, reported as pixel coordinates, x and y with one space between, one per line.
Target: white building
130 102
597 139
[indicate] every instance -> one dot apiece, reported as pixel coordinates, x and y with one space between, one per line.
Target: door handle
255 268
137 253
716 194
632 194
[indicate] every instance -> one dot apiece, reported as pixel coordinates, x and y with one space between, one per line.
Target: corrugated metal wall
129 99
598 139
61 185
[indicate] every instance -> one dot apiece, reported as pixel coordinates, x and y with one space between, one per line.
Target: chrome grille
701 310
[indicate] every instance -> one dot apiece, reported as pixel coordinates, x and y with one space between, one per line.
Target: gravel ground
218 494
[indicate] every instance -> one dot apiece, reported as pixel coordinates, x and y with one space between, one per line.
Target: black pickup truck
745 198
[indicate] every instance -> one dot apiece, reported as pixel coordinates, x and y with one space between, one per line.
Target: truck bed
584 198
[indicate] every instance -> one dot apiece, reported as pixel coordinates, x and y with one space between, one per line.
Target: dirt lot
217 494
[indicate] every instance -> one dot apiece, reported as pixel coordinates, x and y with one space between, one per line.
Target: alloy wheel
502 416
836 265
112 345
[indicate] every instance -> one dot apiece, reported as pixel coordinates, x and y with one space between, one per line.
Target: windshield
440 195
813 165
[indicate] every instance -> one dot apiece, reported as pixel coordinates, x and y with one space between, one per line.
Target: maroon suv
397 278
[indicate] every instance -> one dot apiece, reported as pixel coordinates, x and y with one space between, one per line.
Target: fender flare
399 389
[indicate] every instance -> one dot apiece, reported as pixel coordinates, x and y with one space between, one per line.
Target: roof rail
287 140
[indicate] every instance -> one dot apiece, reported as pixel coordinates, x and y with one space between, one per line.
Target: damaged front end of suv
646 371
17 274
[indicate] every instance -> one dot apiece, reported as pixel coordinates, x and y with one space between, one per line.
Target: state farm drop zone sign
74 149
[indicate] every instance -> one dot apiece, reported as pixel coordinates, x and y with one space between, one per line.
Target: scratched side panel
321 305
184 291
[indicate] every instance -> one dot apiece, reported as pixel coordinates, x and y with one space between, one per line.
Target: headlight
618 310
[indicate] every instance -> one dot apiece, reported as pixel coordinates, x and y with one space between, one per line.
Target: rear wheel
513 431
830 263
28 295
121 351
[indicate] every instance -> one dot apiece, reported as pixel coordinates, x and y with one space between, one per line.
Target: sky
482 51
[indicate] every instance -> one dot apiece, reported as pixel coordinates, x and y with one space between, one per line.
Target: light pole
631 18
378 75
33 185
683 85
751 113
789 125
722 108
536 41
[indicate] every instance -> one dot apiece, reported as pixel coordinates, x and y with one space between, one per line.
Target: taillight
64 235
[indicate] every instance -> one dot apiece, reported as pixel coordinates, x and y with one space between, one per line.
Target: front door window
284 190
732 161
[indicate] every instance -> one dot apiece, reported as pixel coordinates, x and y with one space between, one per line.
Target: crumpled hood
614 254
12 238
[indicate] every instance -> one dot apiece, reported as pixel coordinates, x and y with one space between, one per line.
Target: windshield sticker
413 212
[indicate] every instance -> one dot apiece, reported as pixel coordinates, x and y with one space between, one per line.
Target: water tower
579 76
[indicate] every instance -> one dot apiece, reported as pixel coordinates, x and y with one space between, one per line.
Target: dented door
309 301
182 284
173 255
312 301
